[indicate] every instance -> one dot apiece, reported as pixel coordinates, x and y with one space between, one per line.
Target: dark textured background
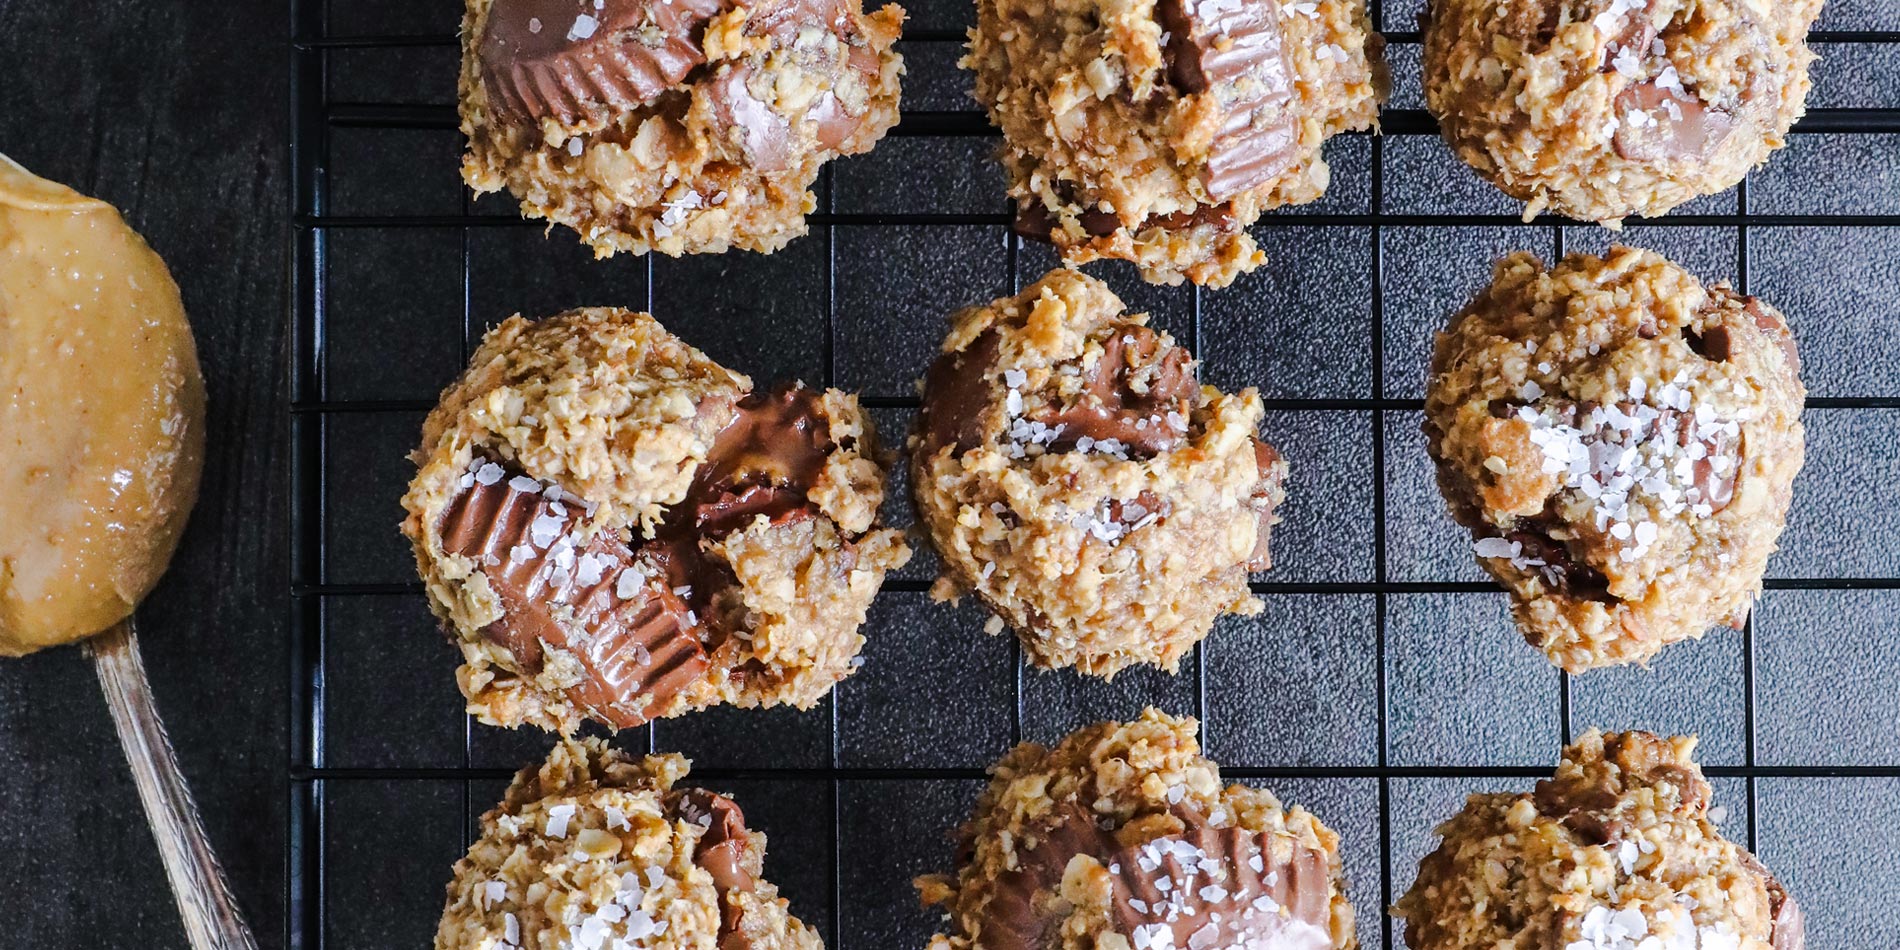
178 113
175 112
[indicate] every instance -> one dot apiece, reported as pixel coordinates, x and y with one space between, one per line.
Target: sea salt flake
584 27
492 893
558 817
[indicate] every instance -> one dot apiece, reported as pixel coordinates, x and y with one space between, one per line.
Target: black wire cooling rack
1383 682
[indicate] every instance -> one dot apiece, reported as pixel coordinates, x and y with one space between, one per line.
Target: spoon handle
212 921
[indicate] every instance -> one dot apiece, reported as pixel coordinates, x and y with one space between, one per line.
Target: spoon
212 920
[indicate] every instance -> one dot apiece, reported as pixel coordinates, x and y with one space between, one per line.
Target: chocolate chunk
1267 460
1220 217
634 651
957 395
1561 571
1714 345
721 847
1657 124
1233 48
1771 323
720 851
1790 925
1138 394
1019 915
565 58
1691 788
1634 31
1223 887
1134 510
764 462
765 134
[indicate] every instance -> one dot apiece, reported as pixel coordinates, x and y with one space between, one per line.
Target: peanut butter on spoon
101 415
101 444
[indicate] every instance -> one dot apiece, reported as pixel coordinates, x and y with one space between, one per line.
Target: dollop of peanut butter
101 415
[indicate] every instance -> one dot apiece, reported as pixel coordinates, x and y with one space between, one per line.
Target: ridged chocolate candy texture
566 59
563 58
1233 48
637 644
1206 888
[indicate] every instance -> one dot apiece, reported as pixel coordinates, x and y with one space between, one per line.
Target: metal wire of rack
315 885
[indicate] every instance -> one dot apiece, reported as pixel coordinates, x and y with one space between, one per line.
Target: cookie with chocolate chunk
1081 482
1618 849
1122 836
1156 132
597 849
614 527
1603 109
1622 442
678 126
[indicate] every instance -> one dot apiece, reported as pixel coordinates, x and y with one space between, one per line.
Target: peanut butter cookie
1622 443
1615 852
595 850
1600 109
1121 837
680 127
1082 483
615 527
1157 131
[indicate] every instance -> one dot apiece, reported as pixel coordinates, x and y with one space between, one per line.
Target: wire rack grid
1382 683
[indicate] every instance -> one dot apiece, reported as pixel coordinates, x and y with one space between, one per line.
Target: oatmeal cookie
595 850
681 127
1121 837
1079 480
614 527
1157 131
1622 443
1599 109
1617 851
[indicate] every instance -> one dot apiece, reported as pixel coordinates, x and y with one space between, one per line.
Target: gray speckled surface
1291 698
